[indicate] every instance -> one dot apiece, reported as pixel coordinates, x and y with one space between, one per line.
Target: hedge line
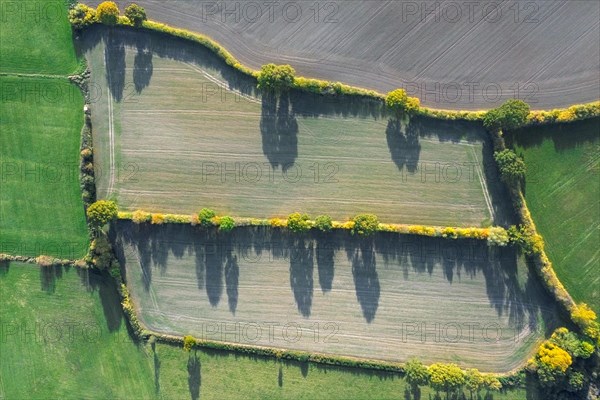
323 87
140 216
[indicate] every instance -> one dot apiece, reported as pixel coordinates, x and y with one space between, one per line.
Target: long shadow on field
325 254
563 136
114 58
403 142
301 273
194 368
279 131
109 297
142 66
161 45
361 253
4 266
48 276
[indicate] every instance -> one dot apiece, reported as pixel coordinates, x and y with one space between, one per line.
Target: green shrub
107 13
276 77
136 14
511 166
323 223
365 224
82 15
416 373
510 115
205 217
297 222
226 224
526 238
102 212
101 252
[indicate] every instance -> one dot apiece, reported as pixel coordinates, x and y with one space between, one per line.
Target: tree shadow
48 277
142 66
301 273
165 46
194 376
156 373
279 131
213 266
325 250
232 274
109 296
564 136
366 281
280 376
403 143
114 58
4 266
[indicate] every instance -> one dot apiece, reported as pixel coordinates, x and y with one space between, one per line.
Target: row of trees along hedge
282 77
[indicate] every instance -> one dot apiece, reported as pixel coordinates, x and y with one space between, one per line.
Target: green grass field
41 211
63 335
563 192
178 137
36 38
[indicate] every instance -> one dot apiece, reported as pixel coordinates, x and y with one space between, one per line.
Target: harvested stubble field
453 55
189 133
335 293
563 194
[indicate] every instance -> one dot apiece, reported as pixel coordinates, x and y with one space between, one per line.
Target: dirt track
450 54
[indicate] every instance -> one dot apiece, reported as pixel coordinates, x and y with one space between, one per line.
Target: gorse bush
102 212
297 222
189 342
135 14
205 217
510 115
140 216
107 13
399 103
446 377
498 236
365 224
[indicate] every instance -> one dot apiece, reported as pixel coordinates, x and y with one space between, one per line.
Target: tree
188 343
491 383
276 78
365 224
511 166
136 14
107 12
498 236
226 224
323 223
474 381
399 103
102 212
446 377
552 363
416 374
82 15
101 252
510 115
297 222
205 217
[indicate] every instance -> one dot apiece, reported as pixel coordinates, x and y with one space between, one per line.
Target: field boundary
495 235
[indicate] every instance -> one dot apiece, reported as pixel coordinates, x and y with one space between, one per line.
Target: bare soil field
184 132
335 293
453 55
